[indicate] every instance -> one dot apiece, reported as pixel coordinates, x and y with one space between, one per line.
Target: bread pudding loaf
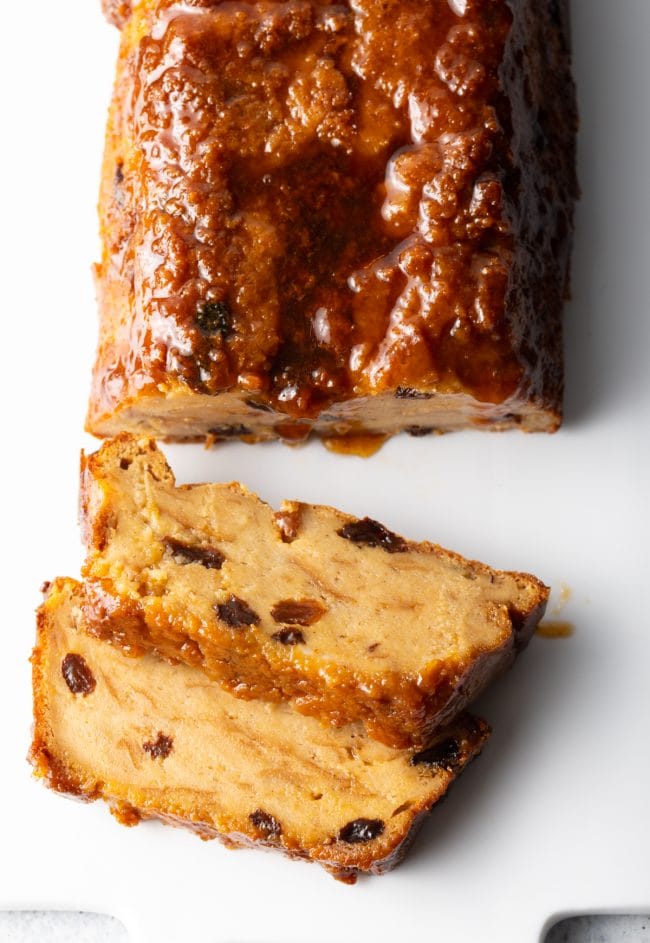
160 741
341 617
340 217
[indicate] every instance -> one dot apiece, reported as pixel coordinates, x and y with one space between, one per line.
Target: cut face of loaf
345 217
163 741
342 617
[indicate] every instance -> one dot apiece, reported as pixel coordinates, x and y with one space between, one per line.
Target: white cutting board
554 818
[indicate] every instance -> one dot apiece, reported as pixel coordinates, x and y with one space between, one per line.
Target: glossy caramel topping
555 628
362 446
310 203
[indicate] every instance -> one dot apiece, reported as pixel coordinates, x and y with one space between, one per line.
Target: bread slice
165 742
342 617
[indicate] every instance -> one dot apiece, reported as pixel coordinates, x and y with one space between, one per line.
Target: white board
554 818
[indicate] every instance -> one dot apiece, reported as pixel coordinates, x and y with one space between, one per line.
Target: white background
554 817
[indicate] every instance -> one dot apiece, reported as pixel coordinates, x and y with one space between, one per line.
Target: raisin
208 557
407 392
262 407
160 748
265 823
418 431
214 317
555 12
361 830
125 463
298 611
77 675
118 180
231 431
237 613
289 637
373 534
443 755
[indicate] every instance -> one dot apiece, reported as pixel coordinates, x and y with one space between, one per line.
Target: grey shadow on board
607 330
600 928
517 710
38 926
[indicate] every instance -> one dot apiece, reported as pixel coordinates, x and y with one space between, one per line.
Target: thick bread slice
160 741
342 617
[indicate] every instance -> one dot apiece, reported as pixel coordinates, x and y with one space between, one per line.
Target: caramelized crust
342 617
165 742
117 12
341 217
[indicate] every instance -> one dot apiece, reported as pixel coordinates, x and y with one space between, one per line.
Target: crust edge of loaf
170 414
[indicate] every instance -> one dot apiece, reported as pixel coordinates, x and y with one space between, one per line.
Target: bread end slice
156 741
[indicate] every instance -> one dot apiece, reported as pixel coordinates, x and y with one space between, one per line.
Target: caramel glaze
362 446
314 201
555 628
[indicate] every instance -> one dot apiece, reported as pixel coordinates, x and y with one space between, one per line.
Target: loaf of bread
342 617
347 218
160 741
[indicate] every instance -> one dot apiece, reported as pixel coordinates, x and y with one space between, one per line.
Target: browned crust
117 12
47 765
344 861
409 710
340 862
532 156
